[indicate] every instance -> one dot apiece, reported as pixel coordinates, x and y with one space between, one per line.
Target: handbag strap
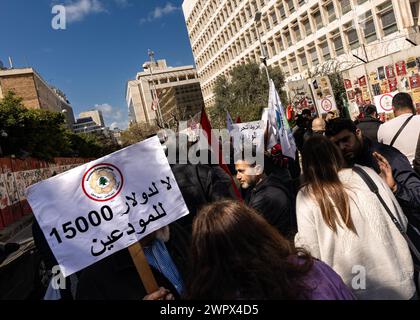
401 130
374 188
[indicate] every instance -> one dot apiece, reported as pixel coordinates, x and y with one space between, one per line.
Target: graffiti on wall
15 180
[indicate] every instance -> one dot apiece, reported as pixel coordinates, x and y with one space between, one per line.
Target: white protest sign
102 207
248 133
383 102
326 104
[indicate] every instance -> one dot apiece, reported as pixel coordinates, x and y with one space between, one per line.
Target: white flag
102 207
279 129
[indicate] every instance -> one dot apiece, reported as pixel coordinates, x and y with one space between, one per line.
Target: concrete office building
96 115
178 90
27 84
298 35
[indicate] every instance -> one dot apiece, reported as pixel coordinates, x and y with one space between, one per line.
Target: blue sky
104 45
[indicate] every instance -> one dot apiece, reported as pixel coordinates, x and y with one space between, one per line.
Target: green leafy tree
244 93
39 133
138 132
43 134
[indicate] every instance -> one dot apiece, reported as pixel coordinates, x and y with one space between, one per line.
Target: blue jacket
408 191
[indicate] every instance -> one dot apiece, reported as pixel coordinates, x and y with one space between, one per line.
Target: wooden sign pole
143 268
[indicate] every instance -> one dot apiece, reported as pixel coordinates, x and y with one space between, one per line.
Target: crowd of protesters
330 225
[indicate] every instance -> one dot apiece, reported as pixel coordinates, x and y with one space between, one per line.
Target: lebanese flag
214 143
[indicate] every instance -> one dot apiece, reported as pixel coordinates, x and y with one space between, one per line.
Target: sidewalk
18 231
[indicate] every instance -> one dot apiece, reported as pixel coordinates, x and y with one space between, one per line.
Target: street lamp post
154 90
3 134
264 55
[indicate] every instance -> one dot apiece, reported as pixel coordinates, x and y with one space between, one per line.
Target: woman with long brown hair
341 222
237 254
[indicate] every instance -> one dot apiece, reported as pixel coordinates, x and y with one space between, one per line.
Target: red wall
16 175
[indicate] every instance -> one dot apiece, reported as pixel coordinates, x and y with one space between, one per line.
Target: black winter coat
408 191
273 198
200 185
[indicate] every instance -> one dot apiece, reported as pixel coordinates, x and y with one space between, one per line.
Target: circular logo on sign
102 182
326 104
386 102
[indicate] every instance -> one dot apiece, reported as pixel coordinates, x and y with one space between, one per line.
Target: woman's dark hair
322 161
237 254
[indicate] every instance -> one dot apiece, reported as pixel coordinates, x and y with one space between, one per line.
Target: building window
325 50
295 67
314 56
280 43
345 6
296 32
338 44
369 28
330 11
282 11
285 69
387 18
415 11
274 18
267 24
288 39
291 6
352 37
273 49
307 26
303 60
318 19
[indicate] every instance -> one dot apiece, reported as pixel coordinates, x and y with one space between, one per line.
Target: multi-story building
297 35
27 84
87 125
96 115
178 93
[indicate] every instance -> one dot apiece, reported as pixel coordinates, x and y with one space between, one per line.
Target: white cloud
123 3
120 125
112 115
159 12
105 108
79 9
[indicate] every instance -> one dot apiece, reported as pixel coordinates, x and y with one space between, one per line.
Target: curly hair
237 254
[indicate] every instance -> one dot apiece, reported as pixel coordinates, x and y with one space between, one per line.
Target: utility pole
155 95
264 54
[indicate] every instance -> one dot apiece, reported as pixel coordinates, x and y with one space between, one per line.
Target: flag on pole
229 121
279 129
215 145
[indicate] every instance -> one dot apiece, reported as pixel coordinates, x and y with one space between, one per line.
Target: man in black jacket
268 194
370 124
356 149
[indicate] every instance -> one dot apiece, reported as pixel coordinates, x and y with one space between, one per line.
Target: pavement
17 232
